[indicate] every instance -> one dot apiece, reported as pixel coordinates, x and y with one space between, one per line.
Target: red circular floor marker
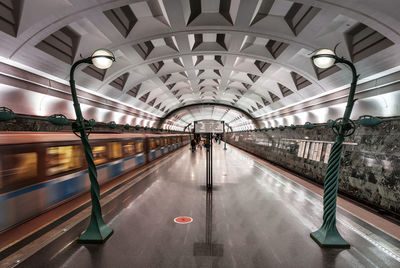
183 219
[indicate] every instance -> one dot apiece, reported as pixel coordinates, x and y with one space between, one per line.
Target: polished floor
254 217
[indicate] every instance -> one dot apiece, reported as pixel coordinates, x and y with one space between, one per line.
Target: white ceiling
244 53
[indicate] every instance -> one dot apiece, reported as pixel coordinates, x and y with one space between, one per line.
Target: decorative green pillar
97 231
328 235
226 132
190 136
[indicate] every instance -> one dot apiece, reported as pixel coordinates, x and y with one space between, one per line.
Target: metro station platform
253 217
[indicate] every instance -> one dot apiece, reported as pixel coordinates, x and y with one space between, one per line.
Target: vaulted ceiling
253 55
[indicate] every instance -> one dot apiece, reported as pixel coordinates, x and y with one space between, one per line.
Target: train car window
62 158
129 148
17 168
99 154
139 146
152 144
114 150
158 142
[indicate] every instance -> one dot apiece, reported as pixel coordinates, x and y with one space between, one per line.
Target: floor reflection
208 248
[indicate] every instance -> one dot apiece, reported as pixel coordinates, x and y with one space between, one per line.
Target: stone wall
370 168
38 124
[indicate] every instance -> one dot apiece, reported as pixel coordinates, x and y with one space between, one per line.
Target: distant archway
169 114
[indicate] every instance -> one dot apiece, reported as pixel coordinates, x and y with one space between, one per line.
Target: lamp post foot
95 234
329 238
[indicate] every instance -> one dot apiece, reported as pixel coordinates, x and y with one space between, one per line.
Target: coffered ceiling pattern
253 55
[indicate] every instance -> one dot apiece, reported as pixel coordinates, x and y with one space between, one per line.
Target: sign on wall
209 126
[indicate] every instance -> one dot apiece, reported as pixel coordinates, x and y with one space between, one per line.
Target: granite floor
254 217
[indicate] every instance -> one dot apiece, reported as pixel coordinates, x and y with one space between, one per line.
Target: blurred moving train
38 171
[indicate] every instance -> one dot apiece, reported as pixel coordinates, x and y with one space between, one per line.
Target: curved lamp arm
350 99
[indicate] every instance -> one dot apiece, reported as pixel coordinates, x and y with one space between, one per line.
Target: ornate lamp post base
96 233
329 238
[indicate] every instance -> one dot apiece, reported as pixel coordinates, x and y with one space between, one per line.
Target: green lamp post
328 235
187 127
226 132
190 137
97 231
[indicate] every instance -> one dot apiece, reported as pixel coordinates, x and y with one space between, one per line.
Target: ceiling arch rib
234 116
243 83
253 77
63 14
171 53
198 57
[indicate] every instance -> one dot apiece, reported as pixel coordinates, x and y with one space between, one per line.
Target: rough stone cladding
370 170
37 125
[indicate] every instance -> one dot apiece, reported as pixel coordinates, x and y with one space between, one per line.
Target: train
39 171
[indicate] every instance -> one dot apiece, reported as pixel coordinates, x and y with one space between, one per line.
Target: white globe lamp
322 61
103 58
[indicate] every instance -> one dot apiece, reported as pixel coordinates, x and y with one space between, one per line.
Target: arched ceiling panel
251 54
